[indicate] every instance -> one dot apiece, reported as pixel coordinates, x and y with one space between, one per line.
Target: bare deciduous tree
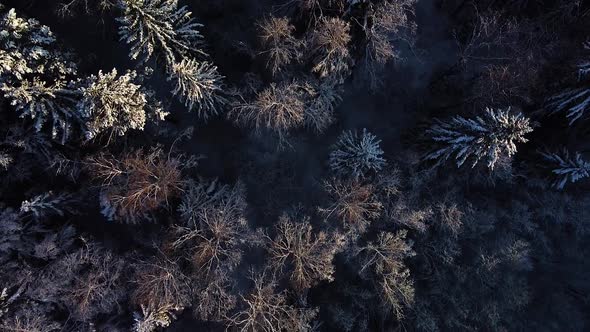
160 283
321 99
278 43
383 263
214 227
383 22
264 309
138 183
214 301
152 318
302 255
277 108
353 204
98 289
329 49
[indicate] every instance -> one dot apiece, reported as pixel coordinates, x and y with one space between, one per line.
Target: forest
294 165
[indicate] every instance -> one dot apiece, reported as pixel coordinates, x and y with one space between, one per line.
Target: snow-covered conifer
152 318
114 103
34 75
487 137
27 48
355 155
575 101
159 28
45 204
200 85
567 168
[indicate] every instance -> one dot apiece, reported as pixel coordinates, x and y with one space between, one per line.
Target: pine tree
114 103
567 168
200 85
576 101
486 138
159 28
34 76
355 155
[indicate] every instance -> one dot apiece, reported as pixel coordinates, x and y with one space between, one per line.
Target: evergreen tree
488 137
355 155
567 168
159 28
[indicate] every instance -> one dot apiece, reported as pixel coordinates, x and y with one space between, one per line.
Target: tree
213 228
150 319
488 138
353 204
265 309
160 283
322 96
383 262
98 283
356 156
115 104
380 23
161 28
34 76
138 183
567 168
574 101
46 204
67 8
278 108
302 255
329 49
200 85
214 301
278 43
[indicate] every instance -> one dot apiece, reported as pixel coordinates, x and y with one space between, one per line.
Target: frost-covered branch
114 103
575 101
488 137
200 85
567 168
355 155
159 27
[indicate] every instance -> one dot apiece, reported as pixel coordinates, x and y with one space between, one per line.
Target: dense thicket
303 165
